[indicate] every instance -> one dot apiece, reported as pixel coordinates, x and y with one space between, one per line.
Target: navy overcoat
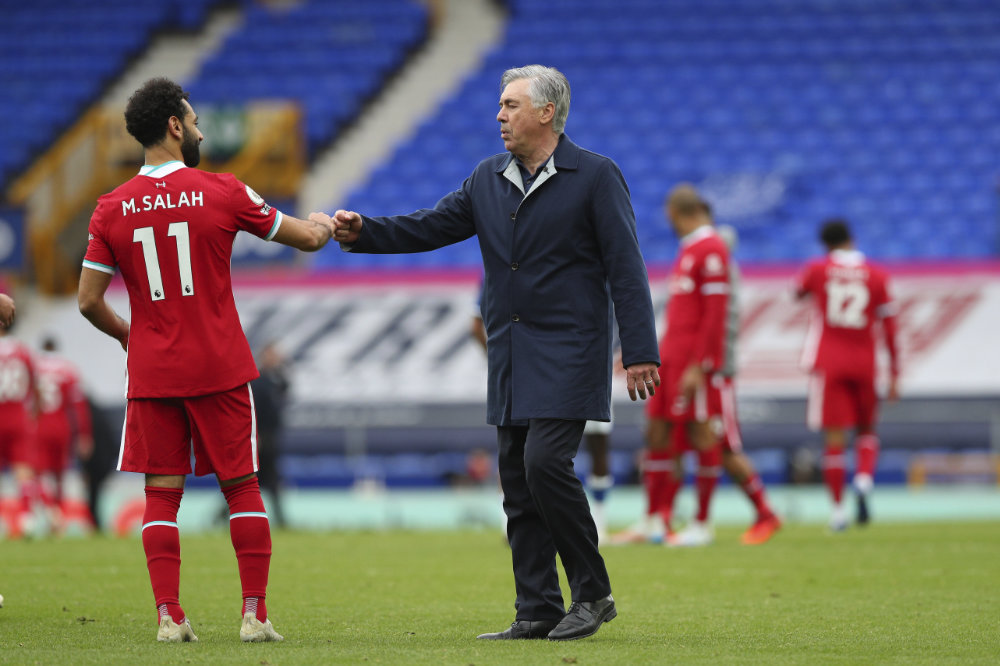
559 262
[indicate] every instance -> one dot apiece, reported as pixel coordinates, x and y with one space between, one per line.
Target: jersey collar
847 257
698 234
161 170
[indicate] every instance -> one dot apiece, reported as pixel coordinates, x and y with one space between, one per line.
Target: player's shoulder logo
714 264
254 197
258 200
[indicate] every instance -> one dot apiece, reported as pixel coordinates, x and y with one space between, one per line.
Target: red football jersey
851 296
17 379
170 231
698 293
61 402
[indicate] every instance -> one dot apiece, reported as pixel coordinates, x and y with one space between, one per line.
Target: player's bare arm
6 310
643 378
93 306
692 379
306 235
893 394
348 226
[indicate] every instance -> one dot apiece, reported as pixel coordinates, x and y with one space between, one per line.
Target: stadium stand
75 50
783 112
330 56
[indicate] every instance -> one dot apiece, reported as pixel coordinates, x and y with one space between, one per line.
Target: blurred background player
596 438
728 453
63 420
98 463
691 353
18 409
852 299
270 393
189 363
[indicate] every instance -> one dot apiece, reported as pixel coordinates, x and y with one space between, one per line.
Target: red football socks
661 486
27 495
161 542
754 489
833 472
867 449
707 477
251 537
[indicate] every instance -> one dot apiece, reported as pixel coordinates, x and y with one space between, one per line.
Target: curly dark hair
150 107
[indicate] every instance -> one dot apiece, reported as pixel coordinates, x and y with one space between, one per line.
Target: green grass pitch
927 593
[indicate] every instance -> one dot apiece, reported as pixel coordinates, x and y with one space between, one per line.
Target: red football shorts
722 404
667 404
842 401
15 439
53 447
220 429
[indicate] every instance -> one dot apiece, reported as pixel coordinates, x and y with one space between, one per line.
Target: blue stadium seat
332 58
77 50
885 113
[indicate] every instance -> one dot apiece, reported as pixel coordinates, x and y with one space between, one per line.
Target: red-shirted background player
170 232
852 303
726 454
691 353
18 405
63 419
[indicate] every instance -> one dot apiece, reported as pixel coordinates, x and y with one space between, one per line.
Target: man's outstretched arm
306 235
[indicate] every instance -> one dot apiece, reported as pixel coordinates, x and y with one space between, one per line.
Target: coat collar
565 157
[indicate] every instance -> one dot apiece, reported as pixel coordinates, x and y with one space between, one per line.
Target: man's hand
323 220
692 379
347 226
643 378
6 310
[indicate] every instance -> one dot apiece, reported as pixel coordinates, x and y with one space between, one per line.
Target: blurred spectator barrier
967 467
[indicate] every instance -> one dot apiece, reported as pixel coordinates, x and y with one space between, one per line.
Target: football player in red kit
691 352
63 418
852 305
663 472
169 231
18 406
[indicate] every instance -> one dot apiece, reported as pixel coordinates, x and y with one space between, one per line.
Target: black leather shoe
584 619
522 629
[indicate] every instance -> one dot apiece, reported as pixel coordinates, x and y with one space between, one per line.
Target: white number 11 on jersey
179 230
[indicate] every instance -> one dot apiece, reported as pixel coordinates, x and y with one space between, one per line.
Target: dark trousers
548 513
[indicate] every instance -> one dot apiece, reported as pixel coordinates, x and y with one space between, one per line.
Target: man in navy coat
558 239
